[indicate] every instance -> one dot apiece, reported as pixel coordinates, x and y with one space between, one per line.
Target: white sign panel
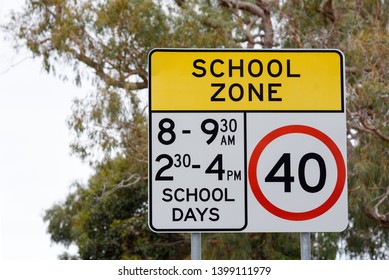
297 172
199 175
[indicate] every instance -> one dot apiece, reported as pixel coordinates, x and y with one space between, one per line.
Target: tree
360 30
106 219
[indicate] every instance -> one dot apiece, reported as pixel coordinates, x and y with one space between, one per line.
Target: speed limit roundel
281 172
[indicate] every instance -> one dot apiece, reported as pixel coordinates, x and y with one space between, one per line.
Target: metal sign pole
305 245
196 246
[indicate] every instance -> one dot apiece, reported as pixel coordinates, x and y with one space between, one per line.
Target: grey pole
305 245
196 245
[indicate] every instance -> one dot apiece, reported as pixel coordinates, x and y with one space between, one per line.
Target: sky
36 168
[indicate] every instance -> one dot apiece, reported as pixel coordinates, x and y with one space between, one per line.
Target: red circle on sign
297 216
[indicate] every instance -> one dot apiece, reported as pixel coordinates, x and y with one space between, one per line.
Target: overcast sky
36 168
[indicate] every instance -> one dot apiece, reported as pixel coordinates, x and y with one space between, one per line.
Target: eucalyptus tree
107 42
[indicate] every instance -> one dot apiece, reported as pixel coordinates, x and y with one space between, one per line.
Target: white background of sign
333 125
232 213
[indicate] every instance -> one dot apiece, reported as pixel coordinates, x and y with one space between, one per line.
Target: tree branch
367 128
99 70
259 9
375 213
128 182
249 35
327 10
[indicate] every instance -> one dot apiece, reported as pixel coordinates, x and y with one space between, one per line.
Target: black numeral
158 176
210 127
166 127
287 179
322 177
216 167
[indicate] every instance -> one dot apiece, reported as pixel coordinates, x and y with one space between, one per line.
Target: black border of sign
342 86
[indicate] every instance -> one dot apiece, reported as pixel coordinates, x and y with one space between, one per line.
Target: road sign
247 140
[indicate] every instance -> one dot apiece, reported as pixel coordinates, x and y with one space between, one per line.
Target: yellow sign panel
246 80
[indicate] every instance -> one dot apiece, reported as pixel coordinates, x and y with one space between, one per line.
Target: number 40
287 178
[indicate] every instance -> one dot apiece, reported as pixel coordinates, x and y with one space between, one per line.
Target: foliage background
106 218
